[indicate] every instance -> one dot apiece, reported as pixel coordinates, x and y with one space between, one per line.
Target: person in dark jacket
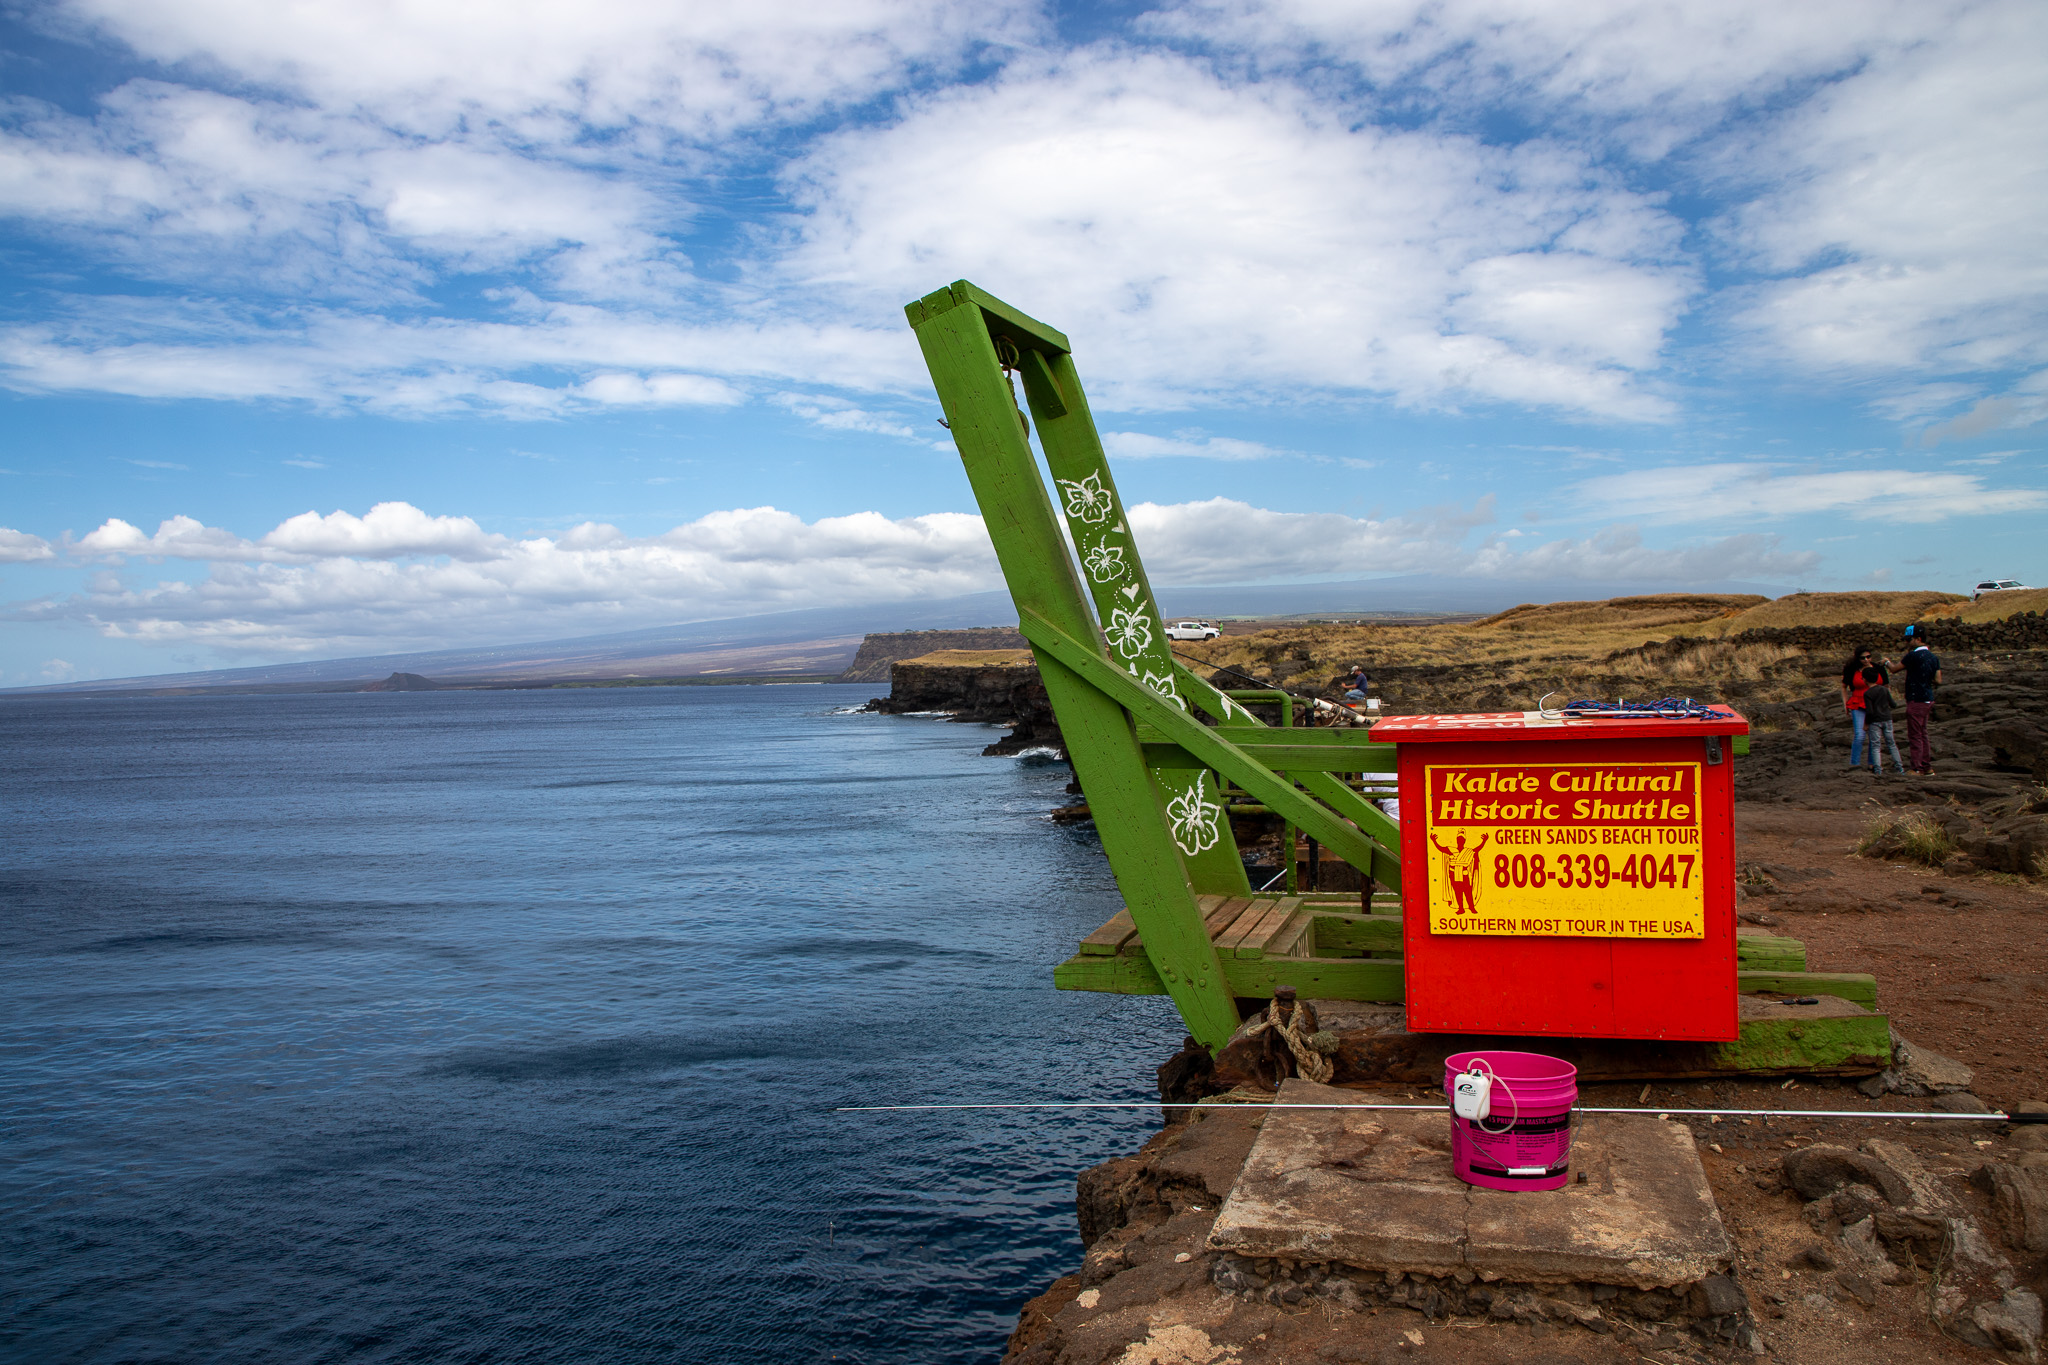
1922 667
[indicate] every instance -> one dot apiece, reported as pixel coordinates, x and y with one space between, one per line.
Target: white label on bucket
1528 1170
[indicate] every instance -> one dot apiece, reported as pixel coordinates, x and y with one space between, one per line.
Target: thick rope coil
1314 1066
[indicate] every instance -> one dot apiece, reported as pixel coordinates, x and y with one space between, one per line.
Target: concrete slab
1374 1189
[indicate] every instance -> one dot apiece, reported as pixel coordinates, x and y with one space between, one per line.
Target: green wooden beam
1858 1042
1372 757
1278 754
953 332
1768 953
1357 934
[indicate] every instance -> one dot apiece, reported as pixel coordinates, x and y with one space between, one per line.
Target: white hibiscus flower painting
1196 821
1087 499
1129 632
1106 563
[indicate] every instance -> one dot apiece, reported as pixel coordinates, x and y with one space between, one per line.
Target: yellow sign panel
1584 850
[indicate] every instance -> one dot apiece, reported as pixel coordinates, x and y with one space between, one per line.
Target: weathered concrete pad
1374 1189
1831 1036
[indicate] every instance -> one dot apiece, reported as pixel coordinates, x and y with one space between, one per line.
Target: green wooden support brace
1385 866
1317 820
958 330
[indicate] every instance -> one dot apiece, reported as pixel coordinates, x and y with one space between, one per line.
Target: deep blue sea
507 1026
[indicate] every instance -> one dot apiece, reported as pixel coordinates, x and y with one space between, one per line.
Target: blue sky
340 329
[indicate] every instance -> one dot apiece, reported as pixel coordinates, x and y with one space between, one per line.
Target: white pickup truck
1191 630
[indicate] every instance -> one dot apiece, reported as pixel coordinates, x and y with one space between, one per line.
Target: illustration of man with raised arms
1461 867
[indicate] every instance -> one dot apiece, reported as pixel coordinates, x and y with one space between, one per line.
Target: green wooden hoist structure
1154 773
1191 926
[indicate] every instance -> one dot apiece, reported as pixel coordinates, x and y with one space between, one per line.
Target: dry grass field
1620 647
973 658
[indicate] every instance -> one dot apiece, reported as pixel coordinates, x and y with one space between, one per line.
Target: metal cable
1438 1108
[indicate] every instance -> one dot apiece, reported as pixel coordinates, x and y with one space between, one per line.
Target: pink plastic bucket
1526 1142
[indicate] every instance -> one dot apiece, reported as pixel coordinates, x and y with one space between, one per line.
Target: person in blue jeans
1878 706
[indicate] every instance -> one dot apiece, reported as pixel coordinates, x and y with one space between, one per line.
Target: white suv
1191 630
1991 585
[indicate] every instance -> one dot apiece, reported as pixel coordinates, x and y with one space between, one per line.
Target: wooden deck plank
1296 937
1253 943
1106 941
1233 938
1226 913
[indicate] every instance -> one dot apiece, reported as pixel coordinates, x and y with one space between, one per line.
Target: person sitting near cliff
1288 1032
1354 686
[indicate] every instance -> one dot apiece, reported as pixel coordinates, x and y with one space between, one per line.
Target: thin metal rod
1439 1108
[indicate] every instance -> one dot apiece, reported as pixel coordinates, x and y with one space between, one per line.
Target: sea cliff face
990 687
879 652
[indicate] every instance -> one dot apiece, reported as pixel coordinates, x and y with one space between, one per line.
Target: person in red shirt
1858 675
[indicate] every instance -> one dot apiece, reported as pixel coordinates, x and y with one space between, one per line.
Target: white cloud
399 578
698 71
1206 237
839 414
2022 406
1248 224
1137 445
1222 540
1904 206
391 530
19 547
592 358
659 390
178 537
1716 492
1618 554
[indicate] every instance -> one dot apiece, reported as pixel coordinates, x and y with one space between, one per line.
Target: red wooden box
1568 877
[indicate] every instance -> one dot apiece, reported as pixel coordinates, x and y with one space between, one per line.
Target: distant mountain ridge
825 641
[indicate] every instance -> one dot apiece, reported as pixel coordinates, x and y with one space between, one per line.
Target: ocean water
508 1026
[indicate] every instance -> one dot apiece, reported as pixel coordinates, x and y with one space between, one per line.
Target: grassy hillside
1837 609
1996 607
